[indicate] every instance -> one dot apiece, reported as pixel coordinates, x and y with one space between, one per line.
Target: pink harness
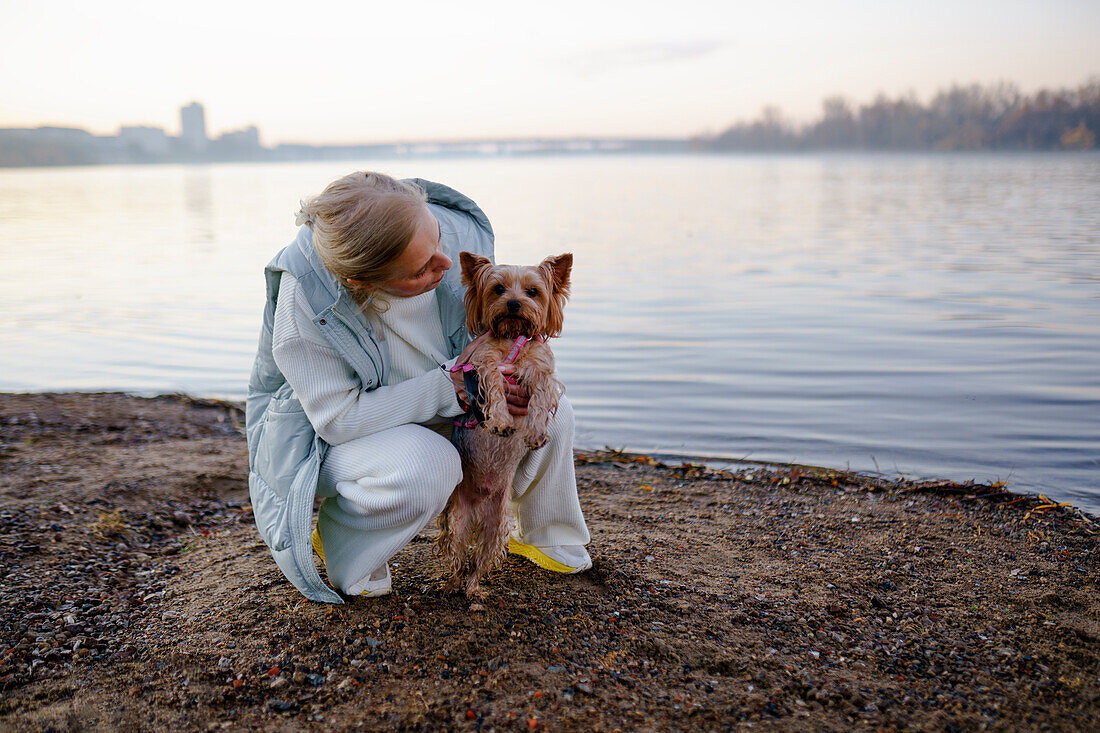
473 414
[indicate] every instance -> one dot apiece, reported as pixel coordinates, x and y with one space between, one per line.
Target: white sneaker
567 559
376 584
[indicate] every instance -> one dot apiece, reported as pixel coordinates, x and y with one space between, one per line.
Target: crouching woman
351 398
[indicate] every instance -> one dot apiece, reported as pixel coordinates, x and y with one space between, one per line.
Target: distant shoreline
702 154
54 146
960 118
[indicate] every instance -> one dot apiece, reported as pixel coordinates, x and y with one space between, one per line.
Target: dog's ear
474 268
556 270
559 268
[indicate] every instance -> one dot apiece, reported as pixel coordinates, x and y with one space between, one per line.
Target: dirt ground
137 595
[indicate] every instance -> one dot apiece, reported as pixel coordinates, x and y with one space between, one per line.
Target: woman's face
421 266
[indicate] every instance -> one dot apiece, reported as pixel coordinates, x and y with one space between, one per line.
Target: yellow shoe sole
537 556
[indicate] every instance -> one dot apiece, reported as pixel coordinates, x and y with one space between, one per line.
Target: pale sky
332 71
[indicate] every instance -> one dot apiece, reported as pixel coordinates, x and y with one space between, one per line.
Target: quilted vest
284 451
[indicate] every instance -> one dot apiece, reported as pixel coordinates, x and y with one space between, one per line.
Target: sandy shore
137 595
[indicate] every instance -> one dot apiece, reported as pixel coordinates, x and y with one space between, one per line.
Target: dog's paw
502 430
474 591
534 442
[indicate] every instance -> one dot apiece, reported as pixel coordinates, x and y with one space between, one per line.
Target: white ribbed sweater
414 333
416 389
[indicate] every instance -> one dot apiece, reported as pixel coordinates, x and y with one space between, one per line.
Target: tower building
193 126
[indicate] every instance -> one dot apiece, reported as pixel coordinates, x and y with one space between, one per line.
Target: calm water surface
928 315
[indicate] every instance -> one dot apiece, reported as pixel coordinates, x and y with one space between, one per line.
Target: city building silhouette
193 126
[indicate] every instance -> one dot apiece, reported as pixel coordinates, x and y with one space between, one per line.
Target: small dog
520 307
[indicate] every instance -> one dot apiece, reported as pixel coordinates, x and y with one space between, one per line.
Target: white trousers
384 488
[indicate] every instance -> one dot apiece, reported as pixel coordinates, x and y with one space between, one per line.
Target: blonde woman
351 399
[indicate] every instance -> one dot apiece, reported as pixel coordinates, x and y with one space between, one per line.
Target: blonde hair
361 224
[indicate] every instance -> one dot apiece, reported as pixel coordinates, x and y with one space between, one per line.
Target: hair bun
303 216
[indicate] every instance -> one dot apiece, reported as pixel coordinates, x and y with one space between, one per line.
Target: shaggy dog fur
507 301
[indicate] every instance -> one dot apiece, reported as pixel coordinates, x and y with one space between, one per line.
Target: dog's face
512 300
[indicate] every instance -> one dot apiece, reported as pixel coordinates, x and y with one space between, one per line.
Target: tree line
974 117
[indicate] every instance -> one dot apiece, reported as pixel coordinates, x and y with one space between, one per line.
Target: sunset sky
334 71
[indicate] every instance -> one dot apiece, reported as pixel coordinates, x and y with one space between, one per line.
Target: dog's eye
532 292
498 289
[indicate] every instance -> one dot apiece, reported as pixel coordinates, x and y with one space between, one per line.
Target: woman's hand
516 394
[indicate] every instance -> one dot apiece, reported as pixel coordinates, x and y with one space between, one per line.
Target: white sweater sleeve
328 389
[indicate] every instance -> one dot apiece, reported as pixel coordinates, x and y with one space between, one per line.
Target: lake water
933 315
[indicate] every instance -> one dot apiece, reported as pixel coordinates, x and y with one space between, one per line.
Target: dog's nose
514 306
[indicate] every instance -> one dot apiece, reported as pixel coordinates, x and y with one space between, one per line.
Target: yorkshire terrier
520 307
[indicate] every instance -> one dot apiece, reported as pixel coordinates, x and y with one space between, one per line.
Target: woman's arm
328 389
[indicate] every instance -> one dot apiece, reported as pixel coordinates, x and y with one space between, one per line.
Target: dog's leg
443 540
545 390
453 537
495 406
494 527
474 574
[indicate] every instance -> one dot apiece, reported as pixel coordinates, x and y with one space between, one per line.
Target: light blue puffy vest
284 451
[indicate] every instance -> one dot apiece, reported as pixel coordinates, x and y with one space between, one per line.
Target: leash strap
517 347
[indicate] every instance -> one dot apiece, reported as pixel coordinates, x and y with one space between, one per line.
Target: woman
351 399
